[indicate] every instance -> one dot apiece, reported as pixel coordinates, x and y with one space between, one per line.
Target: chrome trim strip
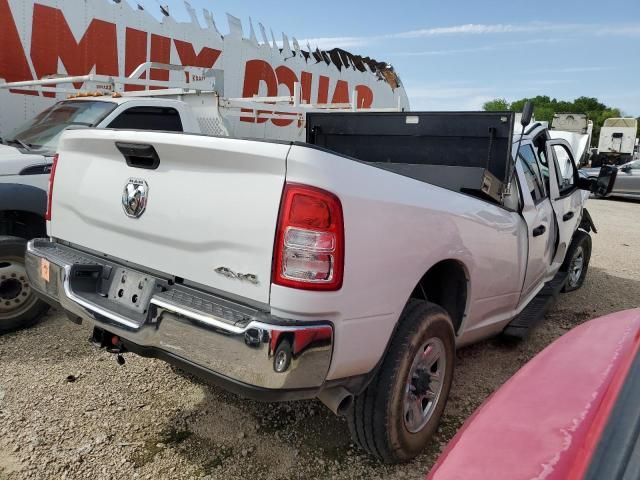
214 322
205 319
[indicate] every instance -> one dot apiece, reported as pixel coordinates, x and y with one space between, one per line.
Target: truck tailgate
212 204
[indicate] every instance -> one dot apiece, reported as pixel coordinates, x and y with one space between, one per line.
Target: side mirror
626 168
527 114
603 185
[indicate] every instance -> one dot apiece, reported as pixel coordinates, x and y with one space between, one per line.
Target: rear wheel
395 417
19 307
576 263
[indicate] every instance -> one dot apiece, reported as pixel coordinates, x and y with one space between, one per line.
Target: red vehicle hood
546 420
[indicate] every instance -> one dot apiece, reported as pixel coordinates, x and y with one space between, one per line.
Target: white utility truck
347 268
192 106
577 129
617 141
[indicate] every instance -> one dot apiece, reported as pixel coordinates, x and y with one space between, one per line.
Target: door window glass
564 169
532 173
149 118
541 149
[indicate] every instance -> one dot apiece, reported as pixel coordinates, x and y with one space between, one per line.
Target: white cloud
444 97
472 29
620 31
468 103
327 43
582 69
466 29
551 81
455 96
441 92
627 101
484 48
452 96
483 29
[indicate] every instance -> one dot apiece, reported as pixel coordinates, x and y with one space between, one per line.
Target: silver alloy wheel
424 384
576 267
16 296
281 361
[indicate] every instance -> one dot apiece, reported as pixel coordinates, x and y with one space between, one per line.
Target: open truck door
538 214
566 196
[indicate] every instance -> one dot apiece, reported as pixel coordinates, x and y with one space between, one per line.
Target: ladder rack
198 81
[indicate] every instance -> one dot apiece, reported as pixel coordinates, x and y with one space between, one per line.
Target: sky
457 54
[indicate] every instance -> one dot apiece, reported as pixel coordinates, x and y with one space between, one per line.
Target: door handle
539 231
567 216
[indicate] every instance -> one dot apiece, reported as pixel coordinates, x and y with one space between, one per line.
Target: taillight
309 249
47 215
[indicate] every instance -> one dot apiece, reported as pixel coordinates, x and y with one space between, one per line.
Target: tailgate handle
139 155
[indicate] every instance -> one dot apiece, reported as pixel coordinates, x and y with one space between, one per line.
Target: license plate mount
132 289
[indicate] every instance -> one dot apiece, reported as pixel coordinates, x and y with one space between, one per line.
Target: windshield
43 131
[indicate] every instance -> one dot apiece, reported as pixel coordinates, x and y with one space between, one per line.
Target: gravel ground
68 410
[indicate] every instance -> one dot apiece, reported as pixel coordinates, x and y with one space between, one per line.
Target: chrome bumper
235 342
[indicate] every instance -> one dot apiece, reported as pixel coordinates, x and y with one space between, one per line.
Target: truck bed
467 152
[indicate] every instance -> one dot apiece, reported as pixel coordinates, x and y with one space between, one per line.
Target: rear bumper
242 349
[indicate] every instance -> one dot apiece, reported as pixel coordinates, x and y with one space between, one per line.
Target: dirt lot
142 420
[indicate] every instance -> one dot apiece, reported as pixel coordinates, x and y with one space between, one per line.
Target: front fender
26 198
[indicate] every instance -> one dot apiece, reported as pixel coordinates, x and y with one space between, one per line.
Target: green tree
497 105
546 107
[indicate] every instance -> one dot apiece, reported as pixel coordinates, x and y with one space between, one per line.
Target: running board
534 313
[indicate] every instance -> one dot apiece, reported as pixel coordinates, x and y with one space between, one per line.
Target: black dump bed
467 152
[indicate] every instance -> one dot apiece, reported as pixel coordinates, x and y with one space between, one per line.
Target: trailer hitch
111 343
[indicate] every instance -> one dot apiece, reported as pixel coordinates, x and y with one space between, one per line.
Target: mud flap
586 223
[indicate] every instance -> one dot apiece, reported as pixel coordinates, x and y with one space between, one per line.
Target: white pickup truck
26 154
348 268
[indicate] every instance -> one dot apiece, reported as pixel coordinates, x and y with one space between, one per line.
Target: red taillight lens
309 249
52 175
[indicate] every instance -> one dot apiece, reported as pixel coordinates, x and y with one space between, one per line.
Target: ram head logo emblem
134 197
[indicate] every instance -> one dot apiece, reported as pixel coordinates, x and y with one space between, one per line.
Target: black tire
19 307
580 248
378 419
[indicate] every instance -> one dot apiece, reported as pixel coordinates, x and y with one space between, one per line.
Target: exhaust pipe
337 399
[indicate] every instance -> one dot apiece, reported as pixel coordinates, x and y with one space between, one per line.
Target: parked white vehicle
192 106
617 140
26 157
576 129
348 268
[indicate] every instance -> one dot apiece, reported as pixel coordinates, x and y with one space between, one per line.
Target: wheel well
22 224
445 284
